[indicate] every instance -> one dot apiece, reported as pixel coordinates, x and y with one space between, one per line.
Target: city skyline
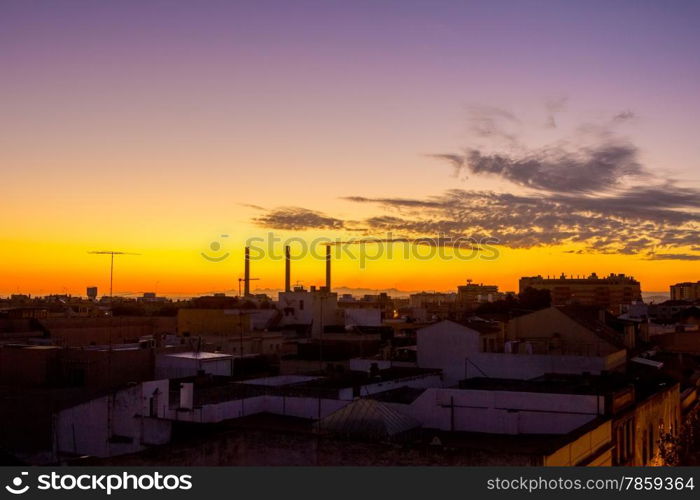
158 128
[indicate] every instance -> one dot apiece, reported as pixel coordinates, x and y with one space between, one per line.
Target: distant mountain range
393 292
655 296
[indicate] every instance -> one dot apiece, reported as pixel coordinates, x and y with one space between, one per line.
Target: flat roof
552 383
401 395
280 380
197 355
517 444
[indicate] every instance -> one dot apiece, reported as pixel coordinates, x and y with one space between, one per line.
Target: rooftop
518 444
401 395
590 317
218 389
280 380
554 384
198 355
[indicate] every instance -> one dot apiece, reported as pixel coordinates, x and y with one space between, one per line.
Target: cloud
297 219
588 169
591 192
250 205
493 122
457 161
624 116
554 105
673 256
628 222
593 159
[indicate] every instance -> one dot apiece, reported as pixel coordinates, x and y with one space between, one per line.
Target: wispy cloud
250 205
555 169
493 123
596 194
673 256
297 219
627 222
554 105
624 116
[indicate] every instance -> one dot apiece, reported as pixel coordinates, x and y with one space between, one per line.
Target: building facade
609 292
686 291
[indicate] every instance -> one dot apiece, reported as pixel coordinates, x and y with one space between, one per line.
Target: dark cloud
633 221
624 116
555 169
396 202
594 159
457 161
250 205
595 195
673 256
296 218
630 222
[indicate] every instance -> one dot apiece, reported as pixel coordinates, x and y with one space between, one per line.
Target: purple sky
136 114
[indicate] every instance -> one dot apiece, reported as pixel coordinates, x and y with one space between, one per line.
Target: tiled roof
367 418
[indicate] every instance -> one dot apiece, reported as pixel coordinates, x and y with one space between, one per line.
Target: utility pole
111 253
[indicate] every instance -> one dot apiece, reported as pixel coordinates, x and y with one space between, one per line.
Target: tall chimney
328 268
246 279
287 271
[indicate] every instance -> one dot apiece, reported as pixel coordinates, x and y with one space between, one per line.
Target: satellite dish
436 441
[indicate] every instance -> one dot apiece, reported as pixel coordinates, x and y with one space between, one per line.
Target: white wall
363 317
455 350
279 405
168 366
526 366
315 305
446 345
503 412
83 429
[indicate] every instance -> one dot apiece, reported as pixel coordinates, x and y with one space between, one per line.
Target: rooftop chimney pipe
328 268
246 279
287 270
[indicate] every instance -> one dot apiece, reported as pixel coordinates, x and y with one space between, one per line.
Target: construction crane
111 253
241 280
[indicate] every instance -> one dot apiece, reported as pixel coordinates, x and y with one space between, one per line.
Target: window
630 439
624 445
620 445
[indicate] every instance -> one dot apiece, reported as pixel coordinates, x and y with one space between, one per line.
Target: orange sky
128 127
44 266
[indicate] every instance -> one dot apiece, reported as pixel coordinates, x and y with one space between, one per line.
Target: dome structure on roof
368 419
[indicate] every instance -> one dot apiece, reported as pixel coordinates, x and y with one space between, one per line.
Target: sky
565 132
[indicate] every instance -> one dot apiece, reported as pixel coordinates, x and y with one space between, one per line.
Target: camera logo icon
215 248
16 488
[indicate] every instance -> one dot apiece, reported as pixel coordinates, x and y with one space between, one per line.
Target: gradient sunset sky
566 130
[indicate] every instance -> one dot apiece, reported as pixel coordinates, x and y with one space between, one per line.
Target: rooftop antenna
243 280
111 253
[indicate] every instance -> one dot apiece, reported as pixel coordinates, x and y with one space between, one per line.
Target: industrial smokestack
246 279
287 270
328 268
